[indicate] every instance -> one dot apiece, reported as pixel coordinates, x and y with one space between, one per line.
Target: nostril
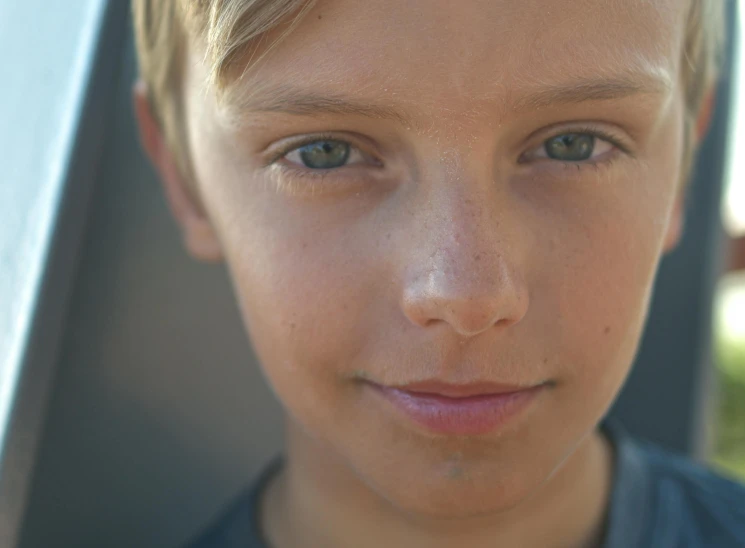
467 316
472 291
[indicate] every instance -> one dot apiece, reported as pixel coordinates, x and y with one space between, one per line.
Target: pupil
572 147
325 154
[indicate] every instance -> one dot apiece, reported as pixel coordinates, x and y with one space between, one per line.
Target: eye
324 154
574 147
570 147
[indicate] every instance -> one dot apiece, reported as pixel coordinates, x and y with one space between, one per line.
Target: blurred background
729 319
131 404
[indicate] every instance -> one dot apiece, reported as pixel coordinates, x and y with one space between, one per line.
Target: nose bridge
466 223
467 242
464 231
467 274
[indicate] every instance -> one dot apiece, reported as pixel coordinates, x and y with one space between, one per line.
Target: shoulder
693 502
664 500
231 528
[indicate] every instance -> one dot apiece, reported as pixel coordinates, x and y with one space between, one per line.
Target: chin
453 497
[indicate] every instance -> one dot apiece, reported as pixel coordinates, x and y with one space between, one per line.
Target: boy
442 221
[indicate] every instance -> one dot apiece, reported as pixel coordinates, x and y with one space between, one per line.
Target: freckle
545 360
292 326
607 330
320 17
305 244
477 257
344 307
388 236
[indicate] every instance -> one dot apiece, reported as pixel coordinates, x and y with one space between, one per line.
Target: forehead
436 52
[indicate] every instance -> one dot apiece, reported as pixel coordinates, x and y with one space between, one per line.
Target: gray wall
159 413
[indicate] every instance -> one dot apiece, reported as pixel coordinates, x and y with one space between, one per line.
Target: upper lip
450 390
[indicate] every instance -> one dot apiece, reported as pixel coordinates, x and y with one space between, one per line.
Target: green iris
325 154
571 147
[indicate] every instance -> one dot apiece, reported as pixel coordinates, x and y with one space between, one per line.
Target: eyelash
301 142
615 140
297 180
310 177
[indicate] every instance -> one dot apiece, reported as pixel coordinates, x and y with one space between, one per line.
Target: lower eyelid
291 170
298 181
559 168
595 164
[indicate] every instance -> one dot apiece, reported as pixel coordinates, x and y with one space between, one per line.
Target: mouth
459 409
449 390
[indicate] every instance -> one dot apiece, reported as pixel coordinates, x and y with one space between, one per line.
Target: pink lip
464 410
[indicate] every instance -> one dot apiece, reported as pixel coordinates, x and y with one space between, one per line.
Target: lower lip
471 416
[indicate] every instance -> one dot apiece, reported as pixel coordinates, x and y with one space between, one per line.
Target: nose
467 272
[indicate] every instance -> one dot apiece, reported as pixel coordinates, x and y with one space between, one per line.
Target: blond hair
230 27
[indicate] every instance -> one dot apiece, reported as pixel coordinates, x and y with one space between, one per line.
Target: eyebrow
602 89
298 101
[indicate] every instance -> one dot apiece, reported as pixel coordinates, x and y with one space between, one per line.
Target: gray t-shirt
659 500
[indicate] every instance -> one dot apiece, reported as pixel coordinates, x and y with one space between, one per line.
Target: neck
318 501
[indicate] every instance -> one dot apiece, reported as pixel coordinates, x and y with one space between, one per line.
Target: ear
675 225
199 236
677 218
705 114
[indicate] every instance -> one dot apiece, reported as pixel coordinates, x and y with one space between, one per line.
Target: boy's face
457 221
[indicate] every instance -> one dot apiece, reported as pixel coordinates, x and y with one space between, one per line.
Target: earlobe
199 236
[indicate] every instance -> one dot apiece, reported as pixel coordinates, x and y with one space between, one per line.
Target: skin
452 250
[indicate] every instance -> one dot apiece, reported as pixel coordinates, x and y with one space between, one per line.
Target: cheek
605 256
600 298
305 278
306 289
